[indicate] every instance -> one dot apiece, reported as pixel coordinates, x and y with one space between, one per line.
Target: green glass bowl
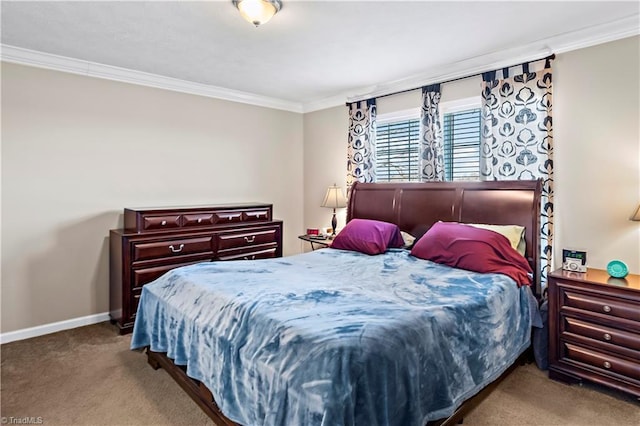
617 269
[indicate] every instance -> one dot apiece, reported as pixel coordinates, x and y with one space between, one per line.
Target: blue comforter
334 337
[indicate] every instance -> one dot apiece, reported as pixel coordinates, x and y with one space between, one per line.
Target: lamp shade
334 198
257 12
636 215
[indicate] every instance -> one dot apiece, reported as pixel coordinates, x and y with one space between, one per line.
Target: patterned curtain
431 143
361 152
517 139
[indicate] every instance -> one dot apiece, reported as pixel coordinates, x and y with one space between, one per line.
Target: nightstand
320 242
594 329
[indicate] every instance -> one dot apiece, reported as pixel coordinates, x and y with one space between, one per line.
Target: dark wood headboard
414 207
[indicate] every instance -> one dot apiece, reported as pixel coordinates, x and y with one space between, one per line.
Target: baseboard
27 333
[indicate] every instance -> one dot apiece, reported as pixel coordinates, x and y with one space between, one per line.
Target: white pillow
514 233
408 239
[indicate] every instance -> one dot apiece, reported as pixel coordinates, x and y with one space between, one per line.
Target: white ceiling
312 54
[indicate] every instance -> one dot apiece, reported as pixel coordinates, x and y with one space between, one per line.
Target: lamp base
334 223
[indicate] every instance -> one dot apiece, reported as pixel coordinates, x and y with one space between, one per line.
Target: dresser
594 329
156 240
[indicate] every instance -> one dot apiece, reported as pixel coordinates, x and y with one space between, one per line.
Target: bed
341 337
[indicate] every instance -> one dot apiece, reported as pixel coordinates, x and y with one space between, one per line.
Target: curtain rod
550 58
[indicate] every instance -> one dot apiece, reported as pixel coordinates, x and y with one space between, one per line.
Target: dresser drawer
247 238
605 363
601 333
144 276
154 219
601 305
134 303
198 219
256 215
171 248
233 216
248 254
161 222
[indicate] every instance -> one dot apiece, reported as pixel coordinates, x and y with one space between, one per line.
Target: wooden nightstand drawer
248 238
601 305
601 333
605 362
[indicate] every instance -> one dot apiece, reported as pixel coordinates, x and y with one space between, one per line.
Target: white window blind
461 133
397 151
398 144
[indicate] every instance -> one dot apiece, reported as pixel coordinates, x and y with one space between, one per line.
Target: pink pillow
368 236
474 249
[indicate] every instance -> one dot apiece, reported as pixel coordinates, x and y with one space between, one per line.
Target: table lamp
334 199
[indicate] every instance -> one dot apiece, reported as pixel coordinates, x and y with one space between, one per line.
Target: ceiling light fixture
258 12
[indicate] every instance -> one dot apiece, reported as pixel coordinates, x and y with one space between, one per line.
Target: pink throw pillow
368 236
474 249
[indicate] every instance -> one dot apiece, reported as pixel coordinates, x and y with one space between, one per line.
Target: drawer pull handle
176 250
250 239
199 220
163 223
607 336
606 308
230 217
252 257
607 364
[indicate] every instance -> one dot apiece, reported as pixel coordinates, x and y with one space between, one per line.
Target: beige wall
77 150
452 91
596 119
597 149
325 163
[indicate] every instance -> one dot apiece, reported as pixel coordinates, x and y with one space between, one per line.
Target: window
461 134
398 143
397 150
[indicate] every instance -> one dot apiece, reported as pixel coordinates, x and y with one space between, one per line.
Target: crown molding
592 36
586 37
18 55
325 103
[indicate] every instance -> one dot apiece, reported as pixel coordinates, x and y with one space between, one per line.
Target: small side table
316 243
594 329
